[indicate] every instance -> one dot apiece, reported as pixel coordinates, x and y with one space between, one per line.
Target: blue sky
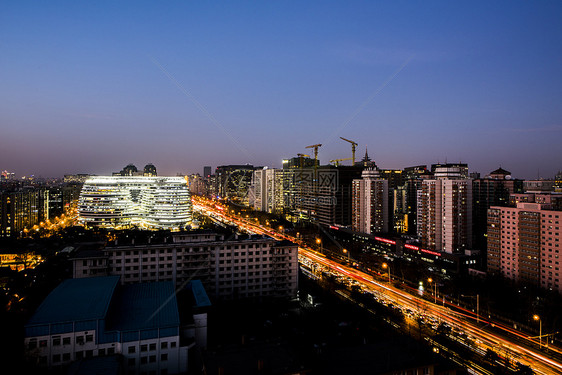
90 87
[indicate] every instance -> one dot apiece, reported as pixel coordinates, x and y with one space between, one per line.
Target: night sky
88 87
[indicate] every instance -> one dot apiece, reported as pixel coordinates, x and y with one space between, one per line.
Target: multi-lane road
485 334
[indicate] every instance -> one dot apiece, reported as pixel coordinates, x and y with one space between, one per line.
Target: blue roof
145 306
75 300
199 294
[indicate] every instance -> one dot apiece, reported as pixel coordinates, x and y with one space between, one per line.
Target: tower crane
337 161
353 145
315 147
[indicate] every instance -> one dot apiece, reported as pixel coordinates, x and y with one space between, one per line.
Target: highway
482 335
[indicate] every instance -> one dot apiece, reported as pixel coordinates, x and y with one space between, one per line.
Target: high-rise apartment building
524 244
370 202
493 190
445 210
413 177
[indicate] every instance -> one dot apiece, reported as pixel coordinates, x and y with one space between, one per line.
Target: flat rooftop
144 306
76 299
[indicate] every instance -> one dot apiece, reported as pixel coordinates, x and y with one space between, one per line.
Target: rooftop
144 306
76 299
199 295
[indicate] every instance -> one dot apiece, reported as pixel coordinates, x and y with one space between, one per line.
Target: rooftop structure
96 317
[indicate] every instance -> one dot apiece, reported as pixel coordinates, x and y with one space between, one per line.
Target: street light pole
345 251
478 308
435 289
385 265
536 317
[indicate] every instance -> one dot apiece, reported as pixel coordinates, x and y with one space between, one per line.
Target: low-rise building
96 317
230 268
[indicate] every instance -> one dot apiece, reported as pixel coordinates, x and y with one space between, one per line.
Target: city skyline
89 89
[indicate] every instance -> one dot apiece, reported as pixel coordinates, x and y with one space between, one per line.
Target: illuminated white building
370 202
266 191
126 201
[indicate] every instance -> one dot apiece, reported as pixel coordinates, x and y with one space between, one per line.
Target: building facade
233 182
147 202
370 203
266 190
493 190
240 267
445 211
97 317
524 244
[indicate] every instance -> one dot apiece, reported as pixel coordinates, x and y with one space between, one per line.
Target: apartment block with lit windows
370 203
445 211
230 268
524 244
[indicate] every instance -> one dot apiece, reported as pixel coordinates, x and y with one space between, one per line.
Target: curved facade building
126 201
166 205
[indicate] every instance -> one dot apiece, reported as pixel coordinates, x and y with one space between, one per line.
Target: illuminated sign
385 240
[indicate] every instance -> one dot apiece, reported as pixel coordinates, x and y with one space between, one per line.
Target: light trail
463 318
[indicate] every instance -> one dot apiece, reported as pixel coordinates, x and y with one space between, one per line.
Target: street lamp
319 242
536 317
385 266
430 280
346 252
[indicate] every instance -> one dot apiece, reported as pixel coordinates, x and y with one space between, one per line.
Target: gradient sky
88 87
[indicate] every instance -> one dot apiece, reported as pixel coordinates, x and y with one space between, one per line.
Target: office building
206 172
449 169
538 185
147 202
233 182
297 173
197 184
524 244
19 210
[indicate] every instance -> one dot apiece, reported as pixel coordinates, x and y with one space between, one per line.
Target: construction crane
353 145
337 161
301 156
315 147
